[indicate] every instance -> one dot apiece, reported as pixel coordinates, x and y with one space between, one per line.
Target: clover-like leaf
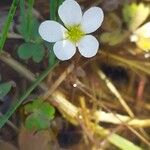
31 50
4 89
41 113
37 122
135 14
24 51
38 52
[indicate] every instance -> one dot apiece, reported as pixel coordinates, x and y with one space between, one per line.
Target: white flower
74 32
143 31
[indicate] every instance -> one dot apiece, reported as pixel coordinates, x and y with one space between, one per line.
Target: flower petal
51 31
70 12
92 19
64 50
144 30
88 46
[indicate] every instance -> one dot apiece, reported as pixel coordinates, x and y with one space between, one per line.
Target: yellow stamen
74 33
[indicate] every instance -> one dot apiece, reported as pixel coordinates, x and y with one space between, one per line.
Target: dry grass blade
80 87
121 119
130 63
58 81
113 89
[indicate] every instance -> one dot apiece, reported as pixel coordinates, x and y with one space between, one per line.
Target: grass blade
4 118
122 143
7 23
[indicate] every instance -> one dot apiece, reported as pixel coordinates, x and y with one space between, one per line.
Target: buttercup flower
75 31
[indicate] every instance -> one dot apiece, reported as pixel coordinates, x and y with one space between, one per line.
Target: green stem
22 9
8 23
54 4
18 102
53 9
29 16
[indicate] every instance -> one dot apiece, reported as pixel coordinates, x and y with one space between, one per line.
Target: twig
11 124
58 81
121 119
7 59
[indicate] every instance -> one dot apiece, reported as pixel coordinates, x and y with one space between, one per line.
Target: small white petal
92 19
70 12
64 50
88 46
134 38
51 31
144 30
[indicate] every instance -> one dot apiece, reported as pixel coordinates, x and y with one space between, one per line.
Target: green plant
39 114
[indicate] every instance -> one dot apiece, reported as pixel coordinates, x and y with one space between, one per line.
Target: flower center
74 33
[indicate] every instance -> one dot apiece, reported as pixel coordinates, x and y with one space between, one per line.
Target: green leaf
4 89
24 51
8 23
18 102
37 122
31 50
54 4
34 31
135 14
32 34
113 38
40 114
38 52
53 9
40 106
122 143
29 24
22 28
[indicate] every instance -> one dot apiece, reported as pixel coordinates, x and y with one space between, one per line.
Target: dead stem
80 85
84 119
58 81
121 119
68 110
130 63
7 59
113 89
11 124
